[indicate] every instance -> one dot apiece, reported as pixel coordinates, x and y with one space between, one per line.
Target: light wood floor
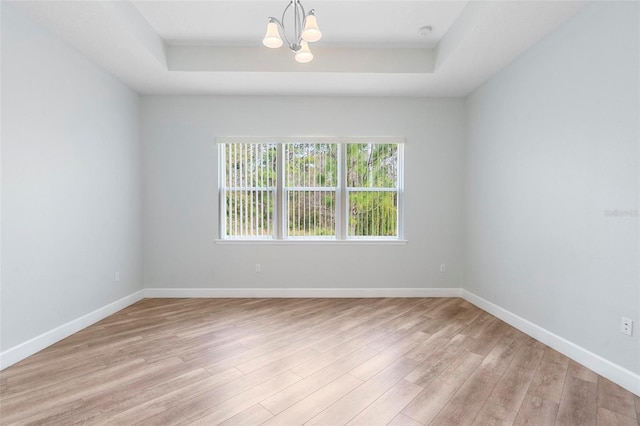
311 361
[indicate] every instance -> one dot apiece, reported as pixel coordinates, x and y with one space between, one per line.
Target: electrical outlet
627 326
117 276
443 267
258 268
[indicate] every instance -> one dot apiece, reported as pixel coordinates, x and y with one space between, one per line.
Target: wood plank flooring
405 362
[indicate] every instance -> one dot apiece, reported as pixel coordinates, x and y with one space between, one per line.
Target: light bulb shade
272 37
304 55
311 31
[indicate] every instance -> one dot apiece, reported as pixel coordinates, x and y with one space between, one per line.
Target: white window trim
342 191
351 241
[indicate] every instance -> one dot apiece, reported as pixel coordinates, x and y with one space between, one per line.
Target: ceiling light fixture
305 31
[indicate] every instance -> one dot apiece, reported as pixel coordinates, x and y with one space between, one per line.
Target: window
249 188
310 189
372 188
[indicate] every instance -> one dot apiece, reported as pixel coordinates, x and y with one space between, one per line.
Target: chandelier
305 31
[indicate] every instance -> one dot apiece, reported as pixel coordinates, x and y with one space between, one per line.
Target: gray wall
180 186
70 184
552 147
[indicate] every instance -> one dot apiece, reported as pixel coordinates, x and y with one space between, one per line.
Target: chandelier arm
299 20
295 20
303 19
284 12
284 31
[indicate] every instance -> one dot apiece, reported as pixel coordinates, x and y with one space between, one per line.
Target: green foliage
373 214
311 213
372 165
249 213
311 165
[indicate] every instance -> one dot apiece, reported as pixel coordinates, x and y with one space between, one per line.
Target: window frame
280 213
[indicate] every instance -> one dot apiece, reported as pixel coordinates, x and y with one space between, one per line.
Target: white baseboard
617 374
301 292
31 346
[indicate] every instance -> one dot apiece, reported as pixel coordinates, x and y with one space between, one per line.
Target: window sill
314 242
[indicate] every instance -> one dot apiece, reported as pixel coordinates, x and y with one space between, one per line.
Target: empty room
320 212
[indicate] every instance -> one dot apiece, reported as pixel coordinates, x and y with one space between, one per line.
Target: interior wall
552 188
71 205
180 181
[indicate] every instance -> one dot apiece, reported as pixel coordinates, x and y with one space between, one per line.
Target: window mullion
281 199
222 196
400 191
342 206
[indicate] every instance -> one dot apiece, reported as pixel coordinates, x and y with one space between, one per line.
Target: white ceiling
345 23
368 47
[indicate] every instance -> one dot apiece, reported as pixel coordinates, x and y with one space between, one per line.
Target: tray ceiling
370 48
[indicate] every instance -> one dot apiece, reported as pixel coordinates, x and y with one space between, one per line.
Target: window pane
249 214
373 213
372 165
311 165
311 213
250 179
250 165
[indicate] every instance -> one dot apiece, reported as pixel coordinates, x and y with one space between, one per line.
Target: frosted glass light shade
304 55
272 37
311 31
